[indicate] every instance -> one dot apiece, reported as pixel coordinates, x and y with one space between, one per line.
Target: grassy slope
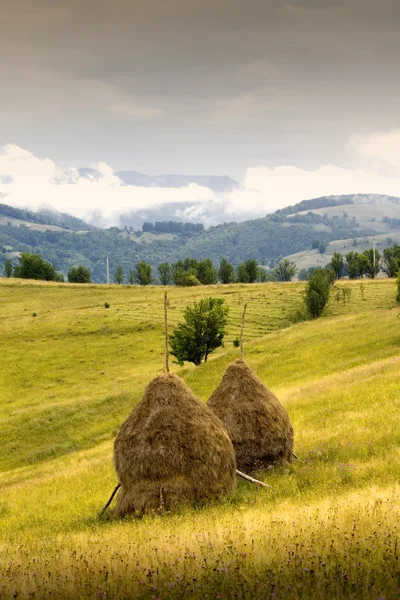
363 213
69 377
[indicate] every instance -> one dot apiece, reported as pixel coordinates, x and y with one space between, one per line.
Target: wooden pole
241 331
252 480
110 500
166 332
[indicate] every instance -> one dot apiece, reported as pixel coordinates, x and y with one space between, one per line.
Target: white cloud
36 182
382 146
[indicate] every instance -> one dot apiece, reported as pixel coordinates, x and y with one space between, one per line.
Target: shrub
317 292
79 275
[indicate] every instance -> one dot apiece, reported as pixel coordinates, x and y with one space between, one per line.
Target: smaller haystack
257 423
172 450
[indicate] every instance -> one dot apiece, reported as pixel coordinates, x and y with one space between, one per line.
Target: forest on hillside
265 240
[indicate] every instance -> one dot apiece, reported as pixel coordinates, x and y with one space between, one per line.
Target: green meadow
72 369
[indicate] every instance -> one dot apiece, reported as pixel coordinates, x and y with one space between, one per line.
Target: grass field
70 375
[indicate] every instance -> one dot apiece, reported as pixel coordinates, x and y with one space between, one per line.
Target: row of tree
368 263
192 272
187 272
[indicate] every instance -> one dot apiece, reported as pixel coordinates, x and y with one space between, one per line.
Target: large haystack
172 450
256 421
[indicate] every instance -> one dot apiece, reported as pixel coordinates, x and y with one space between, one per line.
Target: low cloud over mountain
102 196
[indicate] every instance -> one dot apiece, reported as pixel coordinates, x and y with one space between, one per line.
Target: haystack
171 451
257 423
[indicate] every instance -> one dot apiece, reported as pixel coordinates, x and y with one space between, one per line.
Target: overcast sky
202 87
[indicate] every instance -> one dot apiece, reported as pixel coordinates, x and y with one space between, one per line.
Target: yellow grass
70 375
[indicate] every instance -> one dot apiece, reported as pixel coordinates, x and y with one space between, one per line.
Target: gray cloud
207 87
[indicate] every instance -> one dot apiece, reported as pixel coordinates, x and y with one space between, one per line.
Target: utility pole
108 271
373 245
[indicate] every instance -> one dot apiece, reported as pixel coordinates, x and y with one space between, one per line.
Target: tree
119 274
242 275
202 332
206 273
302 275
164 273
252 269
32 266
185 272
142 273
264 275
337 264
285 270
372 262
8 268
398 287
391 260
248 272
317 292
362 265
79 275
226 272
352 264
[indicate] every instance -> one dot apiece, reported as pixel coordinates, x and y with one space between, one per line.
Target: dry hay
257 423
172 450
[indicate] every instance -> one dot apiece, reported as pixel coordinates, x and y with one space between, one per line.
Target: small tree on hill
79 275
391 260
248 272
184 273
372 262
206 273
337 264
226 272
352 264
119 275
317 292
164 273
32 266
202 332
252 269
142 273
8 268
285 270
398 287
242 274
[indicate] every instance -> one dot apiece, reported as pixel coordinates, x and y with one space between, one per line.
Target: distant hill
45 216
217 183
377 213
333 222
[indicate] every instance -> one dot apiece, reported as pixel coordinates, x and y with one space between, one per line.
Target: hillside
69 378
284 233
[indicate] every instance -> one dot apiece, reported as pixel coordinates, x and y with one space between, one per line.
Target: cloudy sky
293 99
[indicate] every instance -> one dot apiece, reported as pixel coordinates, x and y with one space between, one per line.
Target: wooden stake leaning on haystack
172 450
257 423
